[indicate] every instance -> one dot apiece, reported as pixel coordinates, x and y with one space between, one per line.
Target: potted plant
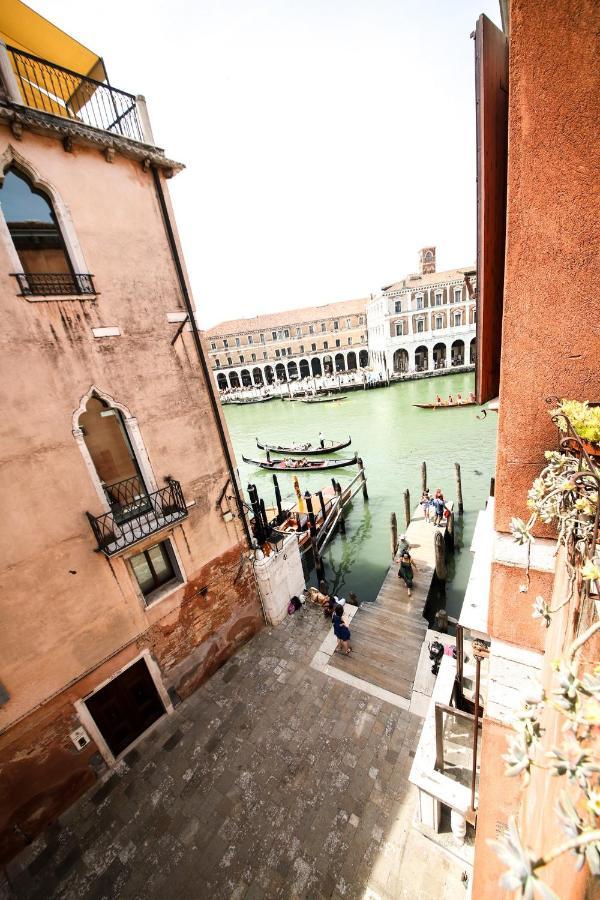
584 420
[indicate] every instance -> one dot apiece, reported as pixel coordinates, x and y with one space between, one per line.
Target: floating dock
389 635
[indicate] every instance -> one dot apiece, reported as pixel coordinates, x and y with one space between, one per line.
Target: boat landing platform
389 634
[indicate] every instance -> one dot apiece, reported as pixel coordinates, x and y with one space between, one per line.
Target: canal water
393 438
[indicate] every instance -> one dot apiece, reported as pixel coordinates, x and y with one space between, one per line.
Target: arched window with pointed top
45 265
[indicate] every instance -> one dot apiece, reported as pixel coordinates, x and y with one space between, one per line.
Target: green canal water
393 438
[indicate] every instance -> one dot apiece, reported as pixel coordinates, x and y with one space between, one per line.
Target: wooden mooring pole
363 478
407 507
423 476
394 534
320 568
341 520
450 531
440 556
322 504
459 497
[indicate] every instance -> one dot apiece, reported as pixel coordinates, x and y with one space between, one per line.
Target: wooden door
126 707
491 95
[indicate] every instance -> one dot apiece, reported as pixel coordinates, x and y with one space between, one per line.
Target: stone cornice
69 132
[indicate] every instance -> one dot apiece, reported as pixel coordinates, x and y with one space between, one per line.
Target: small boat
327 398
248 402
301 465
445 405
306 449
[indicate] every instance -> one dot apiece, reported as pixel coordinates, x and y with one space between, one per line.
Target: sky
325 141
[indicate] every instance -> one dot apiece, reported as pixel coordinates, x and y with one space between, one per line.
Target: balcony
52 89
54 284
136 514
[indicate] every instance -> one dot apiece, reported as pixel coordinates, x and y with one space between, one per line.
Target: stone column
458 824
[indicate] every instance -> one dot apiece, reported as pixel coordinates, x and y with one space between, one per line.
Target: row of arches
316 366
441 357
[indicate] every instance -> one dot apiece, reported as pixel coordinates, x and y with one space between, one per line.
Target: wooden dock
388 634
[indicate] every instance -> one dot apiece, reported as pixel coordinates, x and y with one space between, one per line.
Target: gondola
306 449
301 465
247 402
325 399
445 405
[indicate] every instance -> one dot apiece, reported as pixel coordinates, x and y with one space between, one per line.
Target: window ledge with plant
564 494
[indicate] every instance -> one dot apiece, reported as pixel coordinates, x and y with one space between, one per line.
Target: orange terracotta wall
510 611
551 338
499 799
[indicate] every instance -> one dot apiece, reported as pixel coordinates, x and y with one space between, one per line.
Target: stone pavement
272 780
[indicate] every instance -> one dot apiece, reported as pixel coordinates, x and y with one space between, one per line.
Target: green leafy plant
585 419
565 494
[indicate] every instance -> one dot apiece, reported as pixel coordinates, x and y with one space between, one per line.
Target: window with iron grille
154 568
46 267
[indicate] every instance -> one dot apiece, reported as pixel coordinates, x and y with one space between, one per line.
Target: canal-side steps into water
389 634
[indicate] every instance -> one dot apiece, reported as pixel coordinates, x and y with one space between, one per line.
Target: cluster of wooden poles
330 520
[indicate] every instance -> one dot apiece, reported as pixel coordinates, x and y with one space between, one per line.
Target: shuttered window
491 91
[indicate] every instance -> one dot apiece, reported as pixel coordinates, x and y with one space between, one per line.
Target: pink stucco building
124 574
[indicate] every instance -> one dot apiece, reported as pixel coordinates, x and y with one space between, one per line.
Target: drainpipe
199 350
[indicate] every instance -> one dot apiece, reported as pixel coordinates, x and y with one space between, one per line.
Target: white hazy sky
325 141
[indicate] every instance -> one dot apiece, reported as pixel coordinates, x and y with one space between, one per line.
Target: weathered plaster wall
41 772
65 608
551 338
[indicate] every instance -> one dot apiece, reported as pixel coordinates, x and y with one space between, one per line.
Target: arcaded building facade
124 577
316 340
424 323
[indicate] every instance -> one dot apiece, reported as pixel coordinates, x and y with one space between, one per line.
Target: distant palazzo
424 323
316 340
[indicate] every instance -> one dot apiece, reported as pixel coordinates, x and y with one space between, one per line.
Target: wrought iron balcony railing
61 92
136 515
52 284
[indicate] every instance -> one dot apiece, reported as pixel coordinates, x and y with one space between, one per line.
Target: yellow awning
26 30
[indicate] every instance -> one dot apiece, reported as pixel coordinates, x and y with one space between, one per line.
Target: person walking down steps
341 630
407 571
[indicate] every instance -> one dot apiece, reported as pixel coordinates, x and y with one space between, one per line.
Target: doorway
126 707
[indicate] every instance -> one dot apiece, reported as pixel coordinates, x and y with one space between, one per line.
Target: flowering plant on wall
584 419
564 494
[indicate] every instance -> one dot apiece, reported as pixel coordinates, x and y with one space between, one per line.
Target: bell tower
427 261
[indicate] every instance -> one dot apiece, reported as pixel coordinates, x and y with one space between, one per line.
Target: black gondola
301 465
305 449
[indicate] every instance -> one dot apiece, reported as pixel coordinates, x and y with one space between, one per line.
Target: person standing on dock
407 570
439 507
426 503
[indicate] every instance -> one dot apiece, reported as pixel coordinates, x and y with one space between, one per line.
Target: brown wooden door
491 94
126 707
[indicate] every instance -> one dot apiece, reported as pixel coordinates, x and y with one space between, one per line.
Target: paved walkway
272 780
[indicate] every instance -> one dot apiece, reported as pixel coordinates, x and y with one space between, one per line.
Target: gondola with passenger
306 449
301 465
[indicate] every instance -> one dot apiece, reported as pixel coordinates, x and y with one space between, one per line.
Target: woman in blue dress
341 630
